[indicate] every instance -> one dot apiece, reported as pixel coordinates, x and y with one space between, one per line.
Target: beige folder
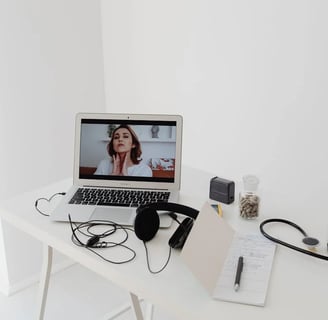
207 246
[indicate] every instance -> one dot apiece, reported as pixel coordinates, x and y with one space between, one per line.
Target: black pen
238 273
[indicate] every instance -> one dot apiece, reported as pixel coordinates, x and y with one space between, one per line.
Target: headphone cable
148 263
94 239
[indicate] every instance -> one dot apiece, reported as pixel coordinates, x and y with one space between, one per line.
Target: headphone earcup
146 223
179 237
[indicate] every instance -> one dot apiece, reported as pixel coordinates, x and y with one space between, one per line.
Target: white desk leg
149 311
44 281
136 306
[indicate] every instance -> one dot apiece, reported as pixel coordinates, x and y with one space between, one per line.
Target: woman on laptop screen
124 150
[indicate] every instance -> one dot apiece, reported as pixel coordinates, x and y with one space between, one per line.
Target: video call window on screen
148 149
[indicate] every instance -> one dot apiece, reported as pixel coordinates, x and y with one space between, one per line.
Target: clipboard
211 251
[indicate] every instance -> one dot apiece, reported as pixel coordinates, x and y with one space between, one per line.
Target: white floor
74 293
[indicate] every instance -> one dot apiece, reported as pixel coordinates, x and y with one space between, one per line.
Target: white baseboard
18 286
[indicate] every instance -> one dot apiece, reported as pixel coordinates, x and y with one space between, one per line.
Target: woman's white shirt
105 167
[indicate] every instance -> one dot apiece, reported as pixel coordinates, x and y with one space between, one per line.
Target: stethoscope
309 241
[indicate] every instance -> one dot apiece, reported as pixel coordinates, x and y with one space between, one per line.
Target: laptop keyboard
117 197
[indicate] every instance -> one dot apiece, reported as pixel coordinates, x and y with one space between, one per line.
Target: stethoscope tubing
286 244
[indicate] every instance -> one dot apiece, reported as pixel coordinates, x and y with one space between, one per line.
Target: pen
238 273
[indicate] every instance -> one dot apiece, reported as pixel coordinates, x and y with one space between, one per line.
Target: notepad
216 266
258 253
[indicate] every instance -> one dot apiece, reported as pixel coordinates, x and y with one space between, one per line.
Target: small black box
222 190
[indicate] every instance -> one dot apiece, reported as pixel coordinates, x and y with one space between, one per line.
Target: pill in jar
249 200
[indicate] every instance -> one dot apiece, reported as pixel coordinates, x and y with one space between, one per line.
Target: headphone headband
170 206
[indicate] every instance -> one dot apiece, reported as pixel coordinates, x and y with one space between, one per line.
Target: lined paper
258 253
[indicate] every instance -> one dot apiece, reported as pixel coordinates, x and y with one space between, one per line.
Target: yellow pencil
220 210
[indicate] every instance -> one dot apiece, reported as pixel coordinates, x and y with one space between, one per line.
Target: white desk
298 286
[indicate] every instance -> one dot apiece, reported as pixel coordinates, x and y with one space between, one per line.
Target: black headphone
146 223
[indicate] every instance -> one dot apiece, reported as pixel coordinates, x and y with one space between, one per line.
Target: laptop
120 162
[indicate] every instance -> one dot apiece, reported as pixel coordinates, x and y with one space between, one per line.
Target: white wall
51 67
249 77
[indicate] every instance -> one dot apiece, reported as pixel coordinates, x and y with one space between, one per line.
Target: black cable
94 241
148 263
48 200
175 218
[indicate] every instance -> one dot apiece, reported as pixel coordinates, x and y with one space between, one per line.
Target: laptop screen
128 149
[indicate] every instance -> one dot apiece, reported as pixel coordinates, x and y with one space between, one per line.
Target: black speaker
146 223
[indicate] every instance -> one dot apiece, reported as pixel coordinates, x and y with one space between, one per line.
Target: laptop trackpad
117 215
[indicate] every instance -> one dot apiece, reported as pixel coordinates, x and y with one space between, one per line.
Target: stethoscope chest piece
311 243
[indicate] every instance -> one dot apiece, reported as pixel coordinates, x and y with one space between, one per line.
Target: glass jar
249 200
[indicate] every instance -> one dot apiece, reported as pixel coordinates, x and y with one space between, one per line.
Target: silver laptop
120 162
